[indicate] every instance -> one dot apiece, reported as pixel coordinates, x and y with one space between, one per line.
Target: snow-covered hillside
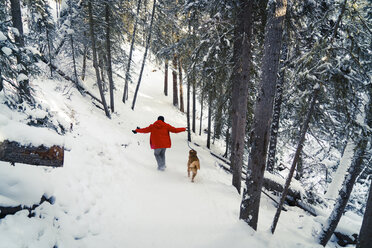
109 192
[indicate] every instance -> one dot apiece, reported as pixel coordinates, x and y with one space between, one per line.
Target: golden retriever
193 164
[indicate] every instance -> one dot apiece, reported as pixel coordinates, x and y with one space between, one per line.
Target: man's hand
134 131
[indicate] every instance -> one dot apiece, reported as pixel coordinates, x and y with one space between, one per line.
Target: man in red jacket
159 138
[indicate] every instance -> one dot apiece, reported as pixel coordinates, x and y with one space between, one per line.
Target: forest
282 87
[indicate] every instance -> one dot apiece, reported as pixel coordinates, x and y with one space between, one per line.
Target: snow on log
13 152
4 211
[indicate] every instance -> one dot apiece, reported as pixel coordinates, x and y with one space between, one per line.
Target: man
159 138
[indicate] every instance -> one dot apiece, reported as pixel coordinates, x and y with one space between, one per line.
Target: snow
109 192
342 170
21 77
2 36
6 50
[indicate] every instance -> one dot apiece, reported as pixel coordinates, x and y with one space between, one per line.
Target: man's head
161 118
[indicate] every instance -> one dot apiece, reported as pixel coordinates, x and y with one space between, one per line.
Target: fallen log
14 152
78 86
294 197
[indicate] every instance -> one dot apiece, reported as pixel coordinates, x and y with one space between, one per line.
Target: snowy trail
110 194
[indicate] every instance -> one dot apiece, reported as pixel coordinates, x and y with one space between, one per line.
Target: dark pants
160 158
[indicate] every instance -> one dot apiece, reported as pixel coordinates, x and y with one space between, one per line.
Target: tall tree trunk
144 56
241 80
275 123
295 159
188 109
102 69
49 51
84 62
350 178
249 208
166 77
125 94
209 120
24 87
365 234
227 142
73 57
73 47
109 65
144 21
201 112
193 103
174 74
182 108
95 63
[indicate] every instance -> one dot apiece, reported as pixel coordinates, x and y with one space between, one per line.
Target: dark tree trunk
249 208
174 74
73 47
201 113
24 87
365 235
145 55
73 58
49 51
17 21
182 108
193 103
241 79
275 124
350 178
95 63
218 118
125 94
227 143
166 77
209 120
84 62
295 159
109 65
188 109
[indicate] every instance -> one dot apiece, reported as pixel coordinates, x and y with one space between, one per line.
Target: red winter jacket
159 137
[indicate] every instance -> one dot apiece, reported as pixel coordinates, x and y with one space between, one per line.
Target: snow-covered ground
109 192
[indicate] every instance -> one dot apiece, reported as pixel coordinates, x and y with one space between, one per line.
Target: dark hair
161 118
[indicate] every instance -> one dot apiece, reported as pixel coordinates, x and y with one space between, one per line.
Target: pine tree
263 111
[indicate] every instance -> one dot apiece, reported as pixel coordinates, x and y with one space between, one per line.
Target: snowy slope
109 192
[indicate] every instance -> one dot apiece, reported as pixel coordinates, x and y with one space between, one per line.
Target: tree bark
125 94
174 74
166 77
193 103
109 63
209 120
24 87
84 62
188 109
13 152
241 80
49 51
144 56
350 178
182 108
201 113
249 208
95 63
365 234
275 124
295 159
